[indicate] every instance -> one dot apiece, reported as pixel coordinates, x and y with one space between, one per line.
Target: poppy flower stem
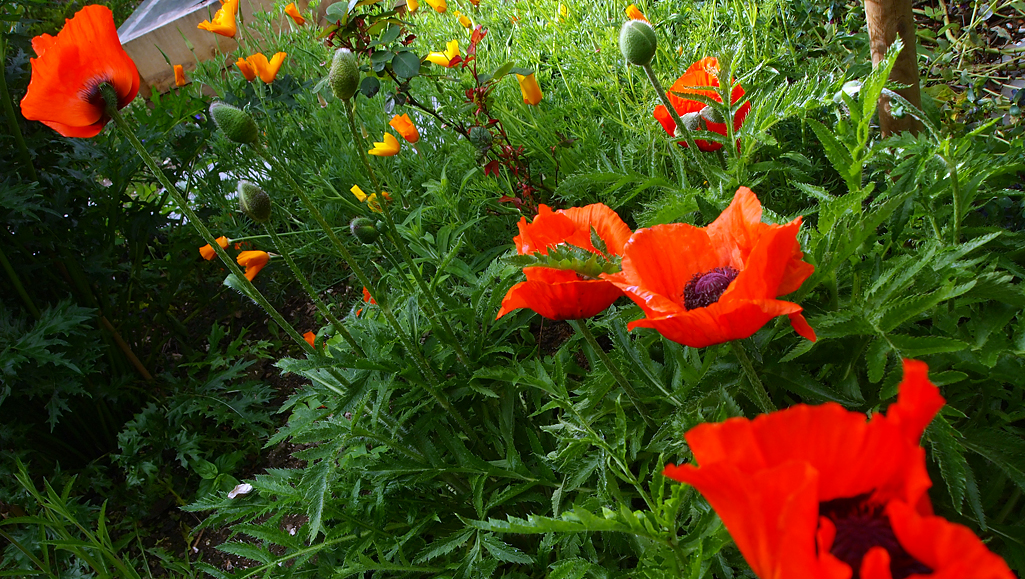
12 119
433 309
581 326
321 306
681 128
430 375
110 97
760 395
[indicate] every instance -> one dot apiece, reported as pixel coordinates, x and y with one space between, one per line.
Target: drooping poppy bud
637 42
254 201
236 123
344 75
364 230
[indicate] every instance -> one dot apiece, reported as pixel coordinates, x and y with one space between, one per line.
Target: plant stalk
429 374
320 305
680 127
194 219
581 326
760 395
433 309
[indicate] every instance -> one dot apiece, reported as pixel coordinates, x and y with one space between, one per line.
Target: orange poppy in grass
634 13
224 20
564 294
529 89
816 492
246 69
266 70
179 76
292 11
405 127
700 74
700 286
253 261
64 92
366 298
311 339
208 252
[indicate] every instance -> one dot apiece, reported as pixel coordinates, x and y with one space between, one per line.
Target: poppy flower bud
637 42
236 123
364 230
254 201
344 75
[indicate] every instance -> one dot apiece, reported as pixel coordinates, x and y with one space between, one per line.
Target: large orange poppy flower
562 294
819 492
703 286
64 92
702 73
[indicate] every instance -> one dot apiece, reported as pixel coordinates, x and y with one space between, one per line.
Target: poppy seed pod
344 75
637 42
236 123
364 230
254 201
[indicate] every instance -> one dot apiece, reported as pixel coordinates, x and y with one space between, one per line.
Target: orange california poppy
253 261
817 492
247 69
387 148
64 92
440 6
366 298
179 76
224 20
266 70
563 294
634 13
292 11
310 337
529 88
702 73
706 285
209 253
405 127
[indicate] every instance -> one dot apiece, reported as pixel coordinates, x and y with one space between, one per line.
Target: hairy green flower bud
254 201
344 75
364 230
637 42
236 123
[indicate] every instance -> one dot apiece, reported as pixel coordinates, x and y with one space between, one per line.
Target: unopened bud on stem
637 42
237 124
254 201
364 230
344 75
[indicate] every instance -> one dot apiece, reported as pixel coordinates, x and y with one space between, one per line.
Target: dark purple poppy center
861 525
704 289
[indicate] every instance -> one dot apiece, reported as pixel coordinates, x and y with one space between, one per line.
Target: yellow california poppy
446 58
531 91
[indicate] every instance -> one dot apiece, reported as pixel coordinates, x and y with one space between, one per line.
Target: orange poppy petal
561 301
246 69
64 89
293 12
607 223
208 252
767 513
918 401
702 327
548 229
253 261
950 550
310 338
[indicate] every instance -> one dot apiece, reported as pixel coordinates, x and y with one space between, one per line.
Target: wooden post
887 19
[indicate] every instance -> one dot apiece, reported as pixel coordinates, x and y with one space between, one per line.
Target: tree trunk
887 19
